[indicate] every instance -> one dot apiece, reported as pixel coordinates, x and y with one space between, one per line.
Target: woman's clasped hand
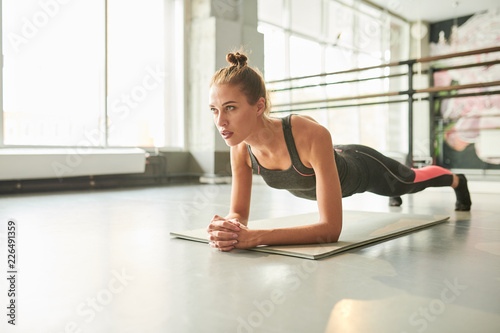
227 234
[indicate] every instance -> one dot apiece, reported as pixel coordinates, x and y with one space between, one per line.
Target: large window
308 37
92 73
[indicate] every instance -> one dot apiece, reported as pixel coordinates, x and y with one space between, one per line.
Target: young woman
296 153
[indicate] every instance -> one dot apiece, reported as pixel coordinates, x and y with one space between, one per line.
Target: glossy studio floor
103 261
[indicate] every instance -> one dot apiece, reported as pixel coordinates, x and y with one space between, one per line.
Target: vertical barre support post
409 160
432 117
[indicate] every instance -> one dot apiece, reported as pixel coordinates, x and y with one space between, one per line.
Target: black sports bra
297 179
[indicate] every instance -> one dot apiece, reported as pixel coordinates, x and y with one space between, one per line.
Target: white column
216 27
419 47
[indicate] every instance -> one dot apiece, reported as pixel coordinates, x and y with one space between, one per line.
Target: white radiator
20 163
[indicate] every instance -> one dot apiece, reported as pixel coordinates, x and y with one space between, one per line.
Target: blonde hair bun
237 59
249 80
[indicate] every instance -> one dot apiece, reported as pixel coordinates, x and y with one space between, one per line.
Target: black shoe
463 196
395 201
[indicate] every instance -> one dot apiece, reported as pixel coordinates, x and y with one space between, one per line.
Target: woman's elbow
333 236
330 233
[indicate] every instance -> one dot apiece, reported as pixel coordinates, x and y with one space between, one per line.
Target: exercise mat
359 229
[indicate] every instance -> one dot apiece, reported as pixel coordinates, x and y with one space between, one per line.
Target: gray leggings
386 176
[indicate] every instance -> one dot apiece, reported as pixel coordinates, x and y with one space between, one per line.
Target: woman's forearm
321 232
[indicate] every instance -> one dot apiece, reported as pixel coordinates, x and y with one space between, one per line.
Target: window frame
174 65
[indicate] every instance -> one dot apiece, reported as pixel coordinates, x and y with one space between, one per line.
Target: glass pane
271 11
369 36
274 44
340 24
397 43
136 73
53 75
305 57
339 59
344 125
373 126
365 60
174 99
306 17
371 11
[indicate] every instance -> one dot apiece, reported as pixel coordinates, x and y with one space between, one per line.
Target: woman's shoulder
303 118
239 153
307 126
239 149
310 137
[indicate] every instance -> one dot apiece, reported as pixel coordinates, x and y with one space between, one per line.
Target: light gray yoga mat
359 229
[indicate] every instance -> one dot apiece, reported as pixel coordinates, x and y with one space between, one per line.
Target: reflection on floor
104 262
